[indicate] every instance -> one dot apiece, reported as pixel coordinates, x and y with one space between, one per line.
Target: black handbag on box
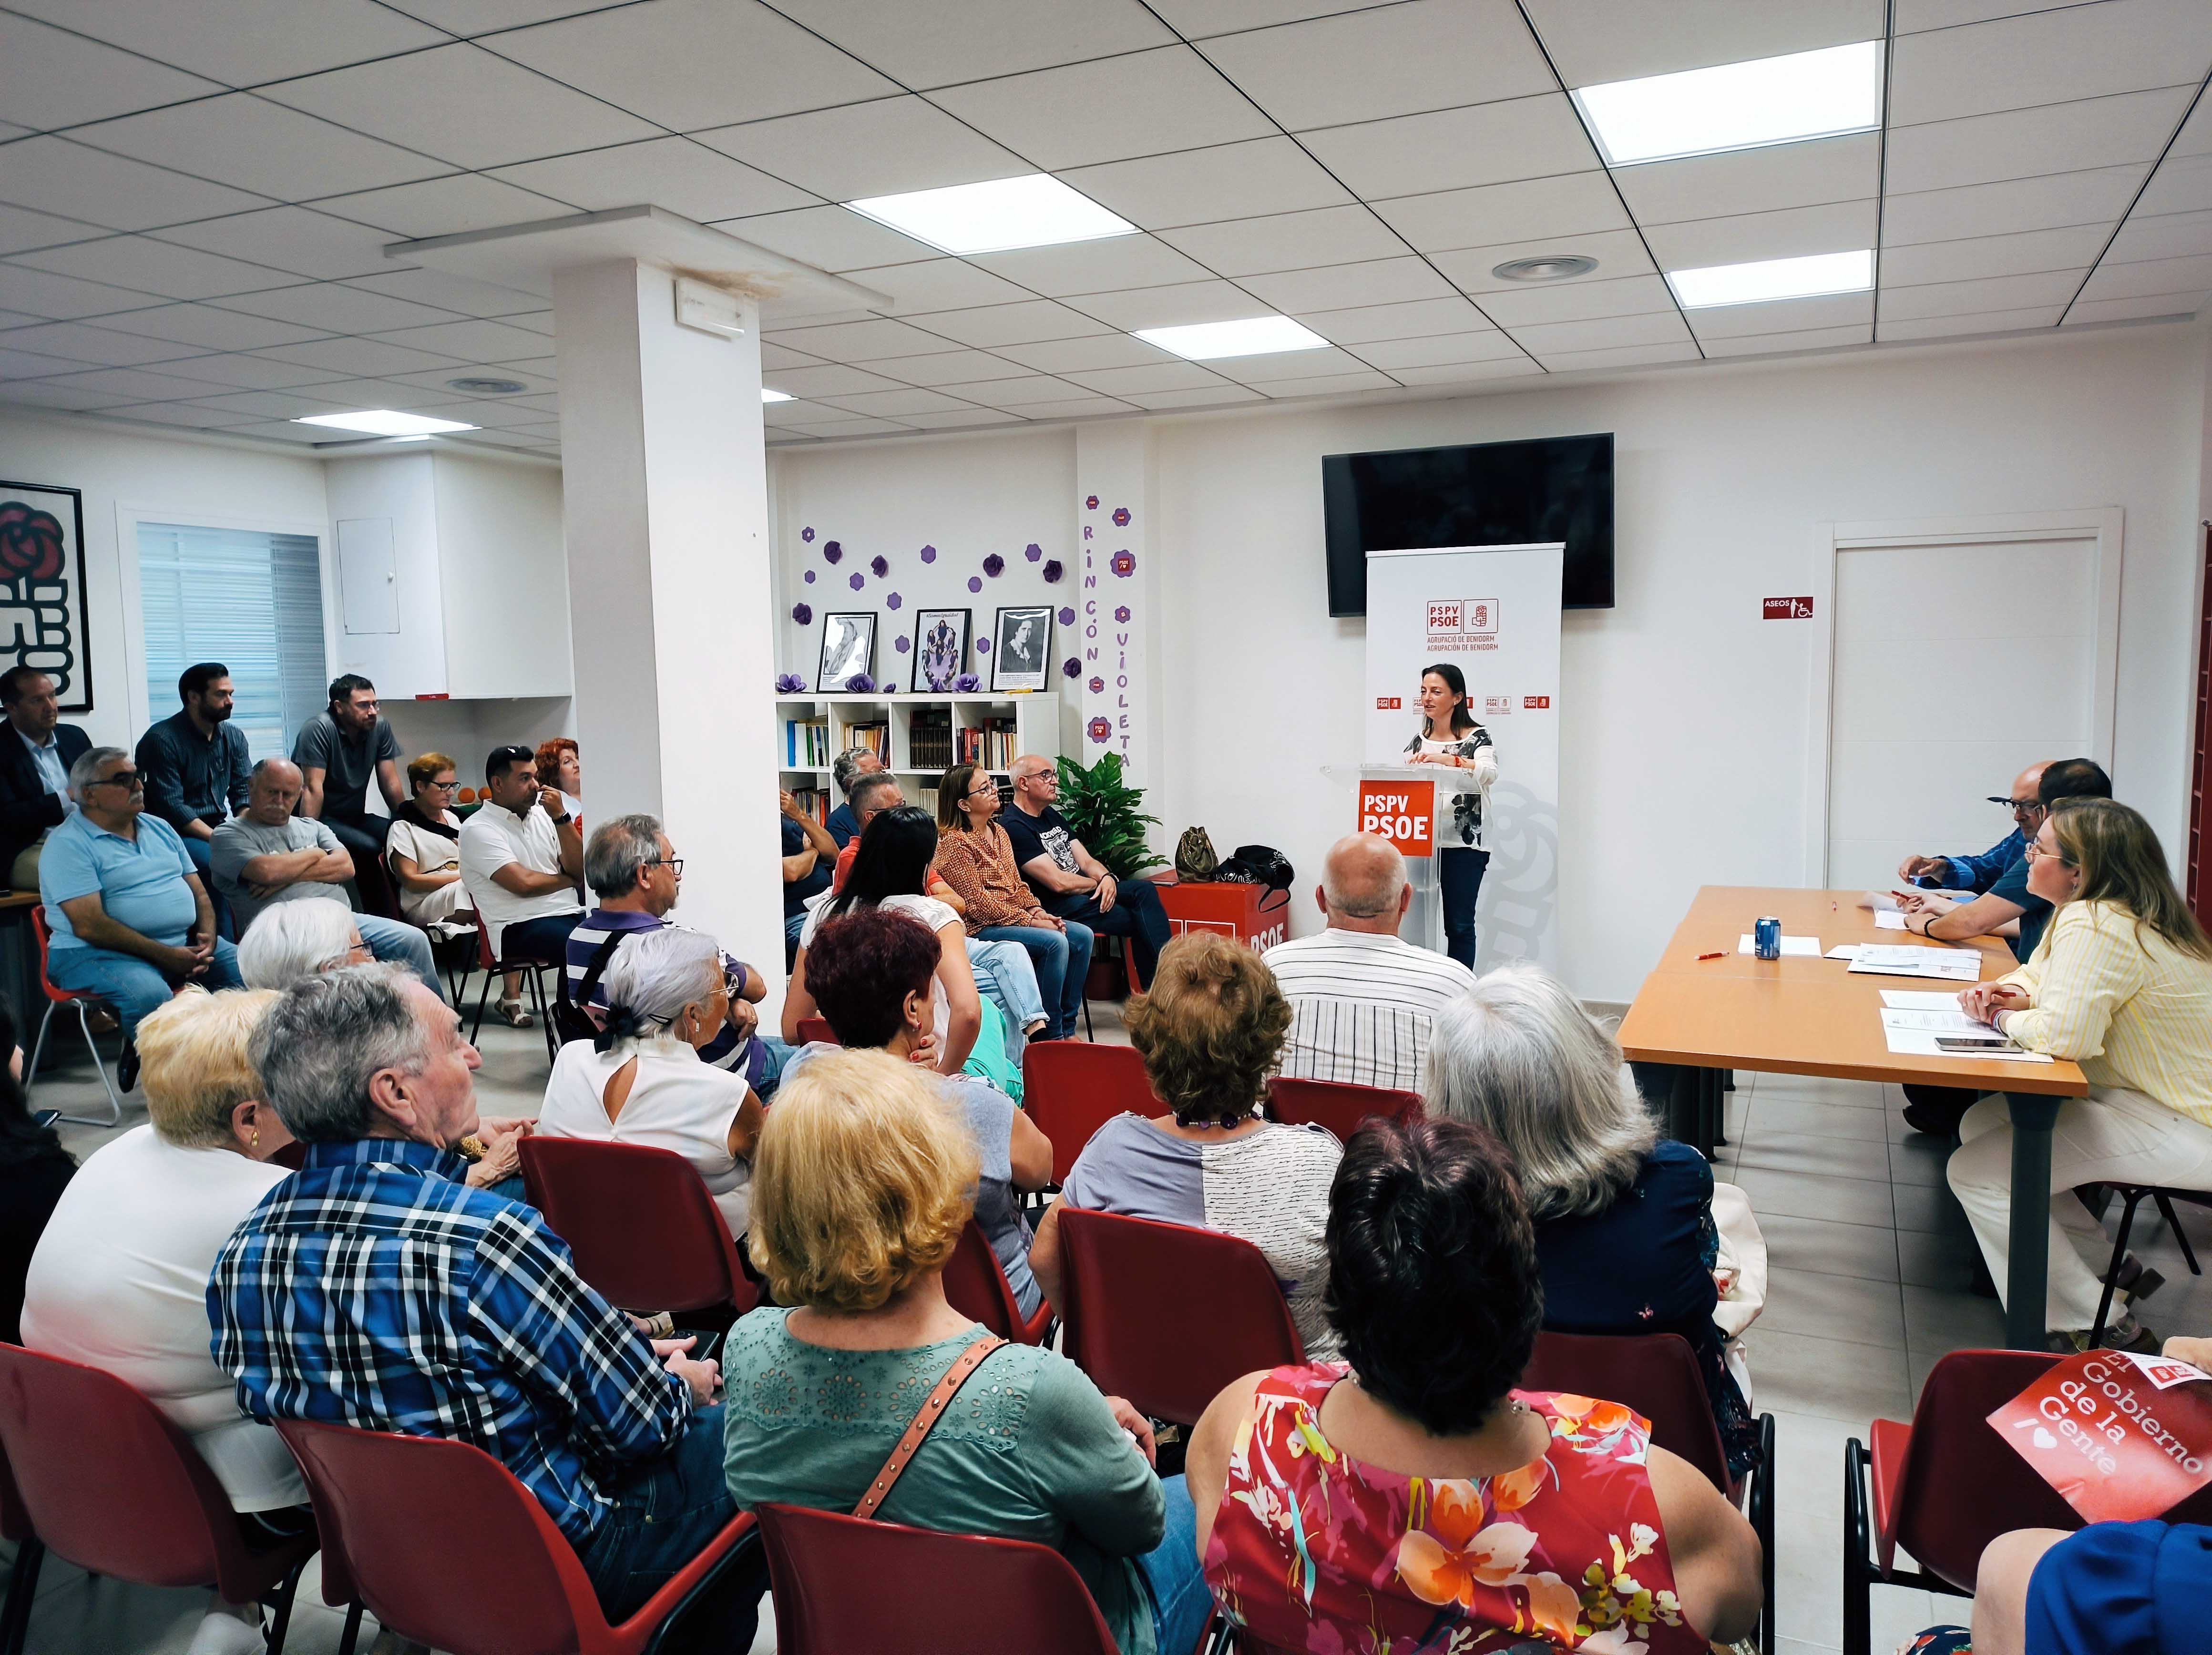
1258 864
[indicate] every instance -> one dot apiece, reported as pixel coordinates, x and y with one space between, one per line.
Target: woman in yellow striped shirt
2122 984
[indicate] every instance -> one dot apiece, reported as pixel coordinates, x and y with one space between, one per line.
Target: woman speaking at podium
1449 735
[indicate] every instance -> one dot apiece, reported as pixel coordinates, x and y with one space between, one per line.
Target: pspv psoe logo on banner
1462 623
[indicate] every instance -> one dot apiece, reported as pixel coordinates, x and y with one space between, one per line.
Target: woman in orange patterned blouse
975 858
1414 1500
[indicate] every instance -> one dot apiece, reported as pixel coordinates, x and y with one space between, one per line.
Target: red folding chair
639 1222
925 1593
1167 1315
495 970
975 1285
817 1031
1656 1374
1072 1088
1945 1486
1336 1106
109 1484
81 1003
23 1578
445 1547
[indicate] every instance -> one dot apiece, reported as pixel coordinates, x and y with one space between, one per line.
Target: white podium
1418 835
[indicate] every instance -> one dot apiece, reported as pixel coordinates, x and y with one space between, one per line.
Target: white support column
665 491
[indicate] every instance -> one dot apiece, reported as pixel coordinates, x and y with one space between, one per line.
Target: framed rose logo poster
42 606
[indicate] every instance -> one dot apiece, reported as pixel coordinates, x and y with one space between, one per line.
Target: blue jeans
1459 873
398 940
1060 959
131 986
1003 970
545 938
778 1055
1136 914
666 1511
1173 1578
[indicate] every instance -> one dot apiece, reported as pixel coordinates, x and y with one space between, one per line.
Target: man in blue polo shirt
132 922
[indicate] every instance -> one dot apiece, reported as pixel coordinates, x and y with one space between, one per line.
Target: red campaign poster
2121 1437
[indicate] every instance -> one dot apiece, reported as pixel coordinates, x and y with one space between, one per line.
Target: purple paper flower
983 647
901 645
881 565
1124 564
1071 667
801 614
1052 573
806 535
994 565
1098 686
858 581
832 552
789 683
809 577
974 583
1121 517
1089 504
893 601
966 684
1032 551
1122 613
1067 617
860 683
1101 730
929 553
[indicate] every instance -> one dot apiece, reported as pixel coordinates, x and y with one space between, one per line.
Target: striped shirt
1361 1005
741 1054
2124 1002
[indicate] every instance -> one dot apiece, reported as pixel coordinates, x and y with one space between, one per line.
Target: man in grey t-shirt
268 856
339 752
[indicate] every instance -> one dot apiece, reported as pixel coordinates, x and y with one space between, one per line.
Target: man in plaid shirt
375 1288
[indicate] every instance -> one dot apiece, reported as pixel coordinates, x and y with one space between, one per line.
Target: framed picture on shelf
1021 657
940 649
848 649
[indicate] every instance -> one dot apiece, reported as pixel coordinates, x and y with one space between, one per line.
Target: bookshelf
920 736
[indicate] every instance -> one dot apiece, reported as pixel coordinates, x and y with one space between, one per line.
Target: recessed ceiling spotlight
486 387
1545 267
384 422
1807 94
1773 278
768 396
1254 335
1031 211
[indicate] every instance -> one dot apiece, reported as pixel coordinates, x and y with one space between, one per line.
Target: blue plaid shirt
1977 873
375 1288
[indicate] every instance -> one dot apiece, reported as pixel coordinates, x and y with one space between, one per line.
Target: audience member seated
195 762
642 1081
1624 1234
521 855
2108 1589
809 854
34 770
889 873
871 975
976 860
1410 1489
1210 1030
1977 873
34 1171
269 856
119 1280
424 846
289 942
2009 907
844 824
561 768
637 875
132 922
462 1316
1362 999
1069 881
2121 985
339 751
860 1193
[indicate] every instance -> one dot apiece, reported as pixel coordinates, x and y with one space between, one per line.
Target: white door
1955 667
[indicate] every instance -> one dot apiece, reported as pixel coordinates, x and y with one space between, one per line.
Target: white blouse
928 909
676 1102
430 853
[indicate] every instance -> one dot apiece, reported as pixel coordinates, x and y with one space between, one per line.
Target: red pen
1716 954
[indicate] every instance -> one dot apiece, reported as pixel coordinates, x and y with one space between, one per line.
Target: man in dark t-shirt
339 751
1068 880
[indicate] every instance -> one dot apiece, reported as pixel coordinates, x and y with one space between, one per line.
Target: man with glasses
132 922
1977 873
1068 880
36 751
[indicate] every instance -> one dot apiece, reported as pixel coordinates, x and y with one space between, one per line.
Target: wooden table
1801 1016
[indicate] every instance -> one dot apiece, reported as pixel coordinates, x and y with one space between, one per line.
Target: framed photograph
848 648
42 588
940 650
1021 658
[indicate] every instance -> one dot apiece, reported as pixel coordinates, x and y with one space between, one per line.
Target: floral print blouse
1466 810
1315 1552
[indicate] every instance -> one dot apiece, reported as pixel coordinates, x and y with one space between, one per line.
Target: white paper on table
1914 999
1921 1043
1807 947
1880 902
1843 951
1948 1020
1891 920
1949 964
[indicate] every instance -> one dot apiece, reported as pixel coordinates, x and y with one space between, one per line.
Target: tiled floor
1870 1282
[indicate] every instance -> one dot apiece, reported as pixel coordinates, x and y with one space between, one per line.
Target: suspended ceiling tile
1219 395
481 16
246 372
1898 330
1362 323
886 147
2179 185
362 358
1286 365
18 363
58 78
2147 307
1345 287
829 238
1330 384
832 379
946 368
1967 260
1106 266
137 384
1784 316
335 307
1287 241
296 239
1772 344
1586 361
2049 56
447 206
933 284
936 45
2011 206
1593 41
367 393
188 414
1196 19
1174 306
1575 301
2150 276
1022 393
1152 376
1392 355
1546 340
87 343
1915 15
1076 407
873 341
2175 235
46 393
1009 324
1456 374
472 340
151 266
1077 355
1619 253
2195 137
53 175
1779 176
1201 186
241 42
254 144
960 418
64 298
1792 232
684 177
1144 103
22 229
1531 209
457 292
1456 149
2022 143
1923 300
898 402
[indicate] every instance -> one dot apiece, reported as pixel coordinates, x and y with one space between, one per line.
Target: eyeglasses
2018 807
673 864
2035 852
987 790
442 786
121 778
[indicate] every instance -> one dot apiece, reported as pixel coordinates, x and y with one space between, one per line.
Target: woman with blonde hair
2121 984
861 1190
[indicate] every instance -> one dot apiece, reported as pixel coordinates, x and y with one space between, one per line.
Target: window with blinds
252 601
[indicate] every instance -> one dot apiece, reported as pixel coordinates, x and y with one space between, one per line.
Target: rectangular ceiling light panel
384 422
768 396
1033 211
1768 279
1255 336
1699 111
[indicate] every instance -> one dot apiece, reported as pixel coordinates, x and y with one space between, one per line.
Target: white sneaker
223 1634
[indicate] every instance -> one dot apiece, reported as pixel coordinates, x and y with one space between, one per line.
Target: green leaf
1101 809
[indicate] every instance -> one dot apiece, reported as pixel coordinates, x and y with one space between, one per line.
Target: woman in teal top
861 1185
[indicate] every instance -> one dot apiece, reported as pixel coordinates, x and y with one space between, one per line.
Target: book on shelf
926 798
806 744
874 737
991 744
814 801
929 739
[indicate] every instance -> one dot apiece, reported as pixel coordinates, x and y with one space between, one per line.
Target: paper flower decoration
1124 564
1121 517
893 601
881 565
1071 667
1122 613
983 647
966 684
858 581
974 583
809 577
860 683
806 535
1089 504
1098 686
1032 551
832 551
1101 730
789 683
800 613
994 565
929 553
901 645
1067 617
1052 573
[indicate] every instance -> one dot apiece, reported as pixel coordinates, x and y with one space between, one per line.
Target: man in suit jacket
36 751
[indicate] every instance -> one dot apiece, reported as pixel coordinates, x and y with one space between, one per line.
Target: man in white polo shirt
521 855
1362 998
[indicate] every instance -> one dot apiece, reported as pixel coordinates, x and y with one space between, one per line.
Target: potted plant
1101 809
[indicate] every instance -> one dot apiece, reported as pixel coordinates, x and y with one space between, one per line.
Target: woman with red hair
558 765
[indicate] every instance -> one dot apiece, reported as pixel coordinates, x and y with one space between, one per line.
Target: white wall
506 578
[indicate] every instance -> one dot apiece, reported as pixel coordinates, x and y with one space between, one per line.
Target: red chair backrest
486 959
975 1285
818 1030
106 1481
1655 1373
1336 1106
442 1544
44 933
1166 1315
1072 1088
944 1594
14 1519
639 1223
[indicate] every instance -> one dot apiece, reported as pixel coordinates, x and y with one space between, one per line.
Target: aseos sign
1399 812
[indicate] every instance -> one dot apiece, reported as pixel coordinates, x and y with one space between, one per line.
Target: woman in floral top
976 859
1449 735
1413 1501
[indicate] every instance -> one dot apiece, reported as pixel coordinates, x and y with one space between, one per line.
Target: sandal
513 1014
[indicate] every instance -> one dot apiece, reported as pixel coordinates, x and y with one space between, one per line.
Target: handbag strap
879 1486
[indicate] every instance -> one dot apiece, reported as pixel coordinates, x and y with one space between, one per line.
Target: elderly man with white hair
1362 998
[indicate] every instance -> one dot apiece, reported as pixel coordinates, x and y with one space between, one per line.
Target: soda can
1767 937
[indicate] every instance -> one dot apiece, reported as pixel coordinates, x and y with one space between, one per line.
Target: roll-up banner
1493 612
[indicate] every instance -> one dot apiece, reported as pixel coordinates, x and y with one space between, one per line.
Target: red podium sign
2122 1437
1399 812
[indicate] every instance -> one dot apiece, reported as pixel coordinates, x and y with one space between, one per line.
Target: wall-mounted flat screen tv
1497 494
